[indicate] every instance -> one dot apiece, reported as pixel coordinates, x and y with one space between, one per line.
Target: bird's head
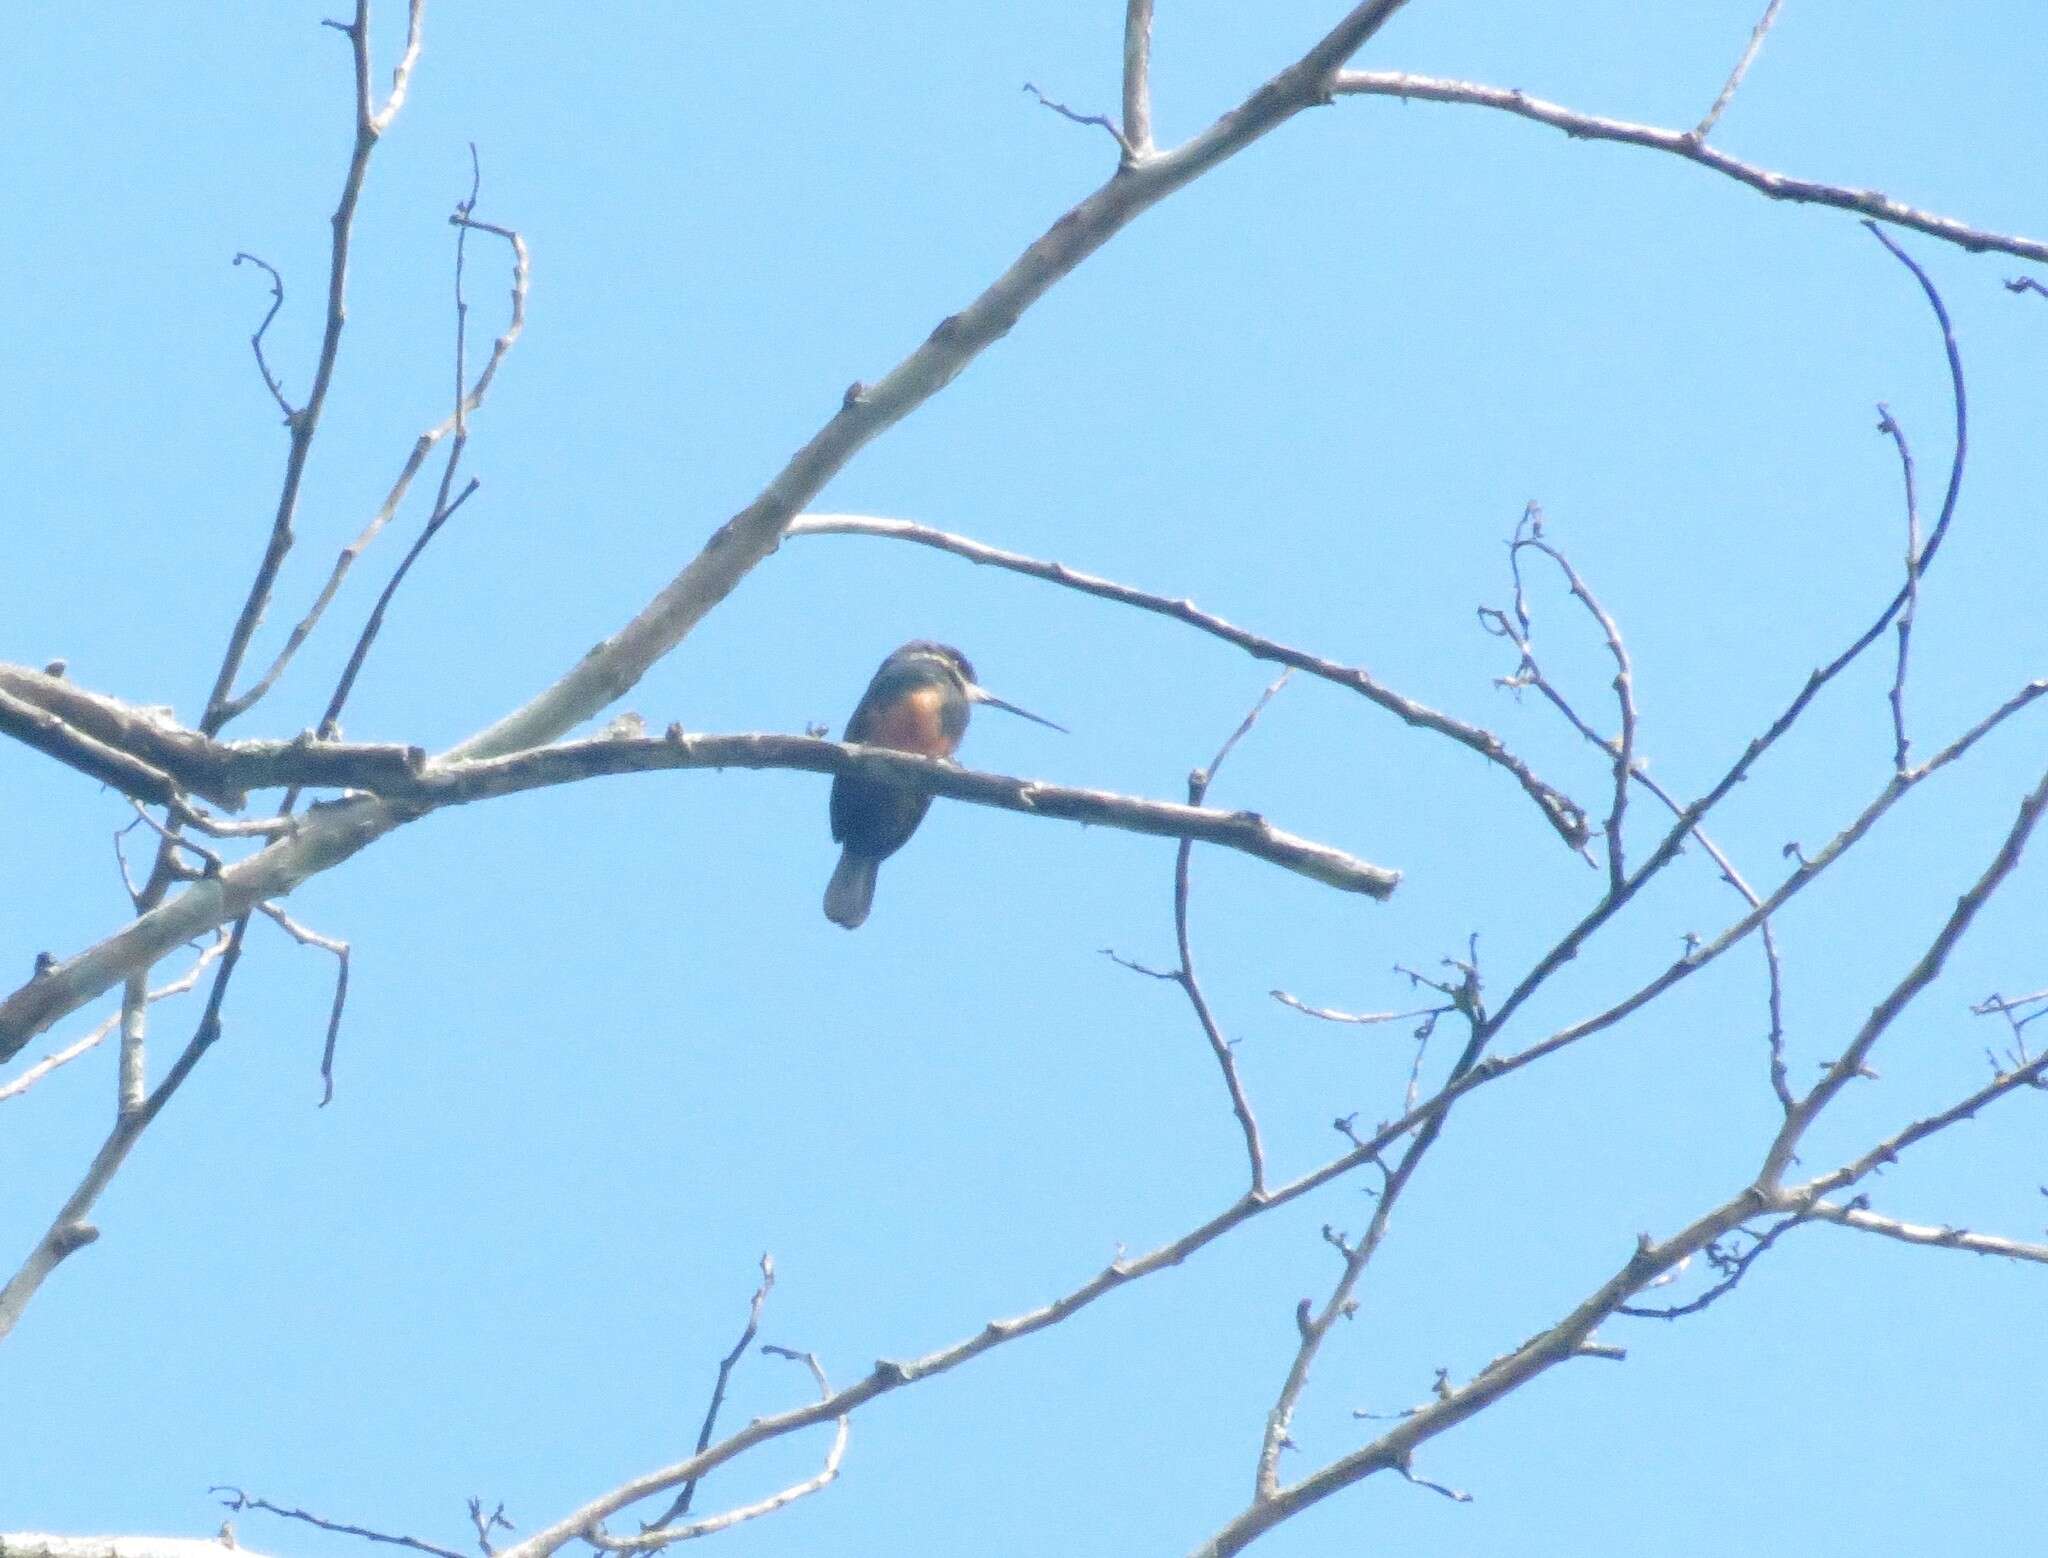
942 662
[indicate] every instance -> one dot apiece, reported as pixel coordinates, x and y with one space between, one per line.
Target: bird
917 702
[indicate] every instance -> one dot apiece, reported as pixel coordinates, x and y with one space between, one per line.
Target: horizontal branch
1689 145
1247 832
54 737
1568 1338
401 773
149 745
1560 810
331 833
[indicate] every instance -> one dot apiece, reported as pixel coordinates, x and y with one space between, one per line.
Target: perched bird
918 702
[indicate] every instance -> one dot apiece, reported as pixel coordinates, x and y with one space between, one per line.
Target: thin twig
1732 1264
664 1535
1331 1014
340 950
374 625
1756 41
1889 426
681 1506
238 1501
2014 1009
1622 749
270 380
486 1524
304 423
1517 629
1456 1496
1101 120
1854 1058
1240 1103
456 423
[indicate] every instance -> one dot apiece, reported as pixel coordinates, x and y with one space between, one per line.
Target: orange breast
911 724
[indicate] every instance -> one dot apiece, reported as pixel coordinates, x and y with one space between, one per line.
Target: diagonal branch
867 411
709 1525
1852 1061
1757 35
1856 1215
606 672
1689 145
97 1035
2033 1074
1566 1339
726 1365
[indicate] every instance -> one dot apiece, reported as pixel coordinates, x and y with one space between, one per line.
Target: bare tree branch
304 424
1756 42
614 666
1562 813
1564 1340
1137 136
40 1544
238 1501
1855 1215
1901 745
179 986
665 1535
681 1506
1686 144
467 401
1185 976
340 951
332 833
1098 121
1853 1059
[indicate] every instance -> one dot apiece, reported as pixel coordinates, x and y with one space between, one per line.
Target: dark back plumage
917 702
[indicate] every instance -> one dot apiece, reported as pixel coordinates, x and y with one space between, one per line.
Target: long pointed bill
983 695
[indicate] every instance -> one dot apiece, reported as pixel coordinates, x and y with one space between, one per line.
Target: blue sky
602 1050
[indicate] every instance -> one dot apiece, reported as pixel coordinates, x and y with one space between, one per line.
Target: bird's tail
851 892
